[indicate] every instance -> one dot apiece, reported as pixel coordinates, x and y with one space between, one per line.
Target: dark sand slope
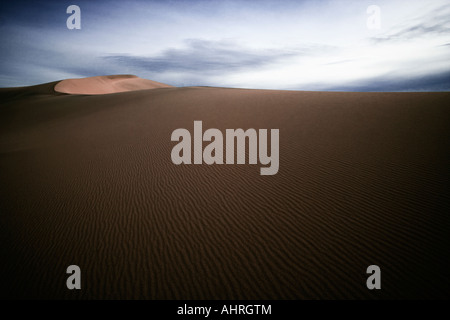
88 180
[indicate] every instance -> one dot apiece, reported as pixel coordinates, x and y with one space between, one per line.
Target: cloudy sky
269 44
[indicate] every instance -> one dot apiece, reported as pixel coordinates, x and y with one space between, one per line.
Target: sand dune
107 84
88 180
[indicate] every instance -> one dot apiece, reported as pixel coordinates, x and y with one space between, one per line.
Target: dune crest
107 84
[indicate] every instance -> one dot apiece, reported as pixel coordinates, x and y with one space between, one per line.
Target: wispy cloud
203 57
429 24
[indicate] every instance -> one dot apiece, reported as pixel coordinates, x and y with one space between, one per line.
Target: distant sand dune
88 180
107 84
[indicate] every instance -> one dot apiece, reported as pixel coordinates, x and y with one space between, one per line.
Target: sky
344 45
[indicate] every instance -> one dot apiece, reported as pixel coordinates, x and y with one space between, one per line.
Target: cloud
433 23
203 57
414 32
427 82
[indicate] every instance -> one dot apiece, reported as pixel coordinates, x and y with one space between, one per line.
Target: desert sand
107 84
87 179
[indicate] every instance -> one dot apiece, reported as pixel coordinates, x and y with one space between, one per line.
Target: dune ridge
88 180
107 84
